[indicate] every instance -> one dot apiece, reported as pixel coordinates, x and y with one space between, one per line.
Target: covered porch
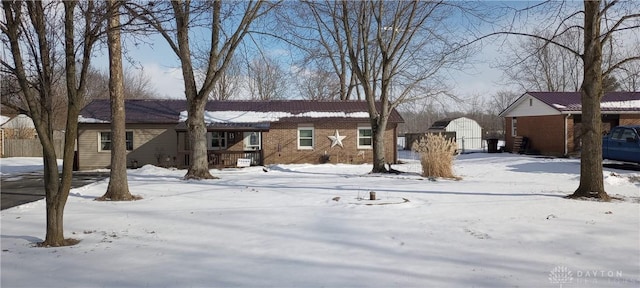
226 144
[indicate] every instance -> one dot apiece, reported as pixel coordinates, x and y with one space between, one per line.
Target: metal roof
571 102
168 111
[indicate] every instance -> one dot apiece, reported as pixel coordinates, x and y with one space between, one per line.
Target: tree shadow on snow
29 239
547 167
463 193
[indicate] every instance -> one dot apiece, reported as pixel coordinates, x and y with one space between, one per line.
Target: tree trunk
591 181
55 231
196 102
39 100
199 166
57 186
118 189
378 127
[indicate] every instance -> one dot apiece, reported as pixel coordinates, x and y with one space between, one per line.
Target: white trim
111 140
519 109
313 136
528 105
225 137
246 141
100 141
514 126
364 127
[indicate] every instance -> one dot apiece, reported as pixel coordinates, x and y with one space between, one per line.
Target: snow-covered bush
436 155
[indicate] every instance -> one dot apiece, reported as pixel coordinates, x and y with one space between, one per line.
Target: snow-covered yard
504 224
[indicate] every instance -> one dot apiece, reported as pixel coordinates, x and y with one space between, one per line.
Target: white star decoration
337 139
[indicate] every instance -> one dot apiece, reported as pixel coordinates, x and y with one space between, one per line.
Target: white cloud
166 81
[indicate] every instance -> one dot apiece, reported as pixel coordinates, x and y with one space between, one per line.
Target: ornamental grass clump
436 155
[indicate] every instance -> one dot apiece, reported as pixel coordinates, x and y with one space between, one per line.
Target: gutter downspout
566 134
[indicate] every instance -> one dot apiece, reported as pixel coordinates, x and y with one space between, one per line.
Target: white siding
19 122
150 142
530 106
468 133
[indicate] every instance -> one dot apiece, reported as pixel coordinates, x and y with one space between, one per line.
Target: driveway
23 188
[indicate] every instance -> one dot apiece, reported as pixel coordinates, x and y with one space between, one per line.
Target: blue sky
160 63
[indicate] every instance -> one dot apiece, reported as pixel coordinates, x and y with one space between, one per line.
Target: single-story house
468 133
549 122
16 127
266 132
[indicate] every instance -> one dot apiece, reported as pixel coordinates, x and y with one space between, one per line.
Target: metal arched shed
468 132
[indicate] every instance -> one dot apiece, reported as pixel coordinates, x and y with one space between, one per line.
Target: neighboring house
17 127
550 121
468 133
262 132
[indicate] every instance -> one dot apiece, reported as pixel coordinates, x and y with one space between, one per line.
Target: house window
365 137
252 141
217 140
105 141
305 137
514 127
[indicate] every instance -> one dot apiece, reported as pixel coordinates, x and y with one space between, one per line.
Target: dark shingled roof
168 111
442 123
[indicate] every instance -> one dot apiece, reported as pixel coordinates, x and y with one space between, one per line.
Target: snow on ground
16 165
504 224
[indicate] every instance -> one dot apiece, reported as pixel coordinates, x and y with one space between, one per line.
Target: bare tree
34 40
318 85
501 100
419 115
13 97
138 85
401 43
266 79
629 76
118 189
228 86
314 30
599 23
228 23
595 37
534 65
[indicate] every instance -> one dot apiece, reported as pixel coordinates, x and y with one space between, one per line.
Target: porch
221 159
226 143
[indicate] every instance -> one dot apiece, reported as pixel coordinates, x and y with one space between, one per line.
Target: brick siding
545 133
280 144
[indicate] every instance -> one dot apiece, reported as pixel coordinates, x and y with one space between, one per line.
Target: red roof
168 111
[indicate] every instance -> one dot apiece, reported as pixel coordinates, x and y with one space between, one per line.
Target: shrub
436 155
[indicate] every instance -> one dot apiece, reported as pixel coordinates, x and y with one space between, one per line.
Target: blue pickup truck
622 144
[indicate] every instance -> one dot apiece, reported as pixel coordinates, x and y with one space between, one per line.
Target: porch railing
222 159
